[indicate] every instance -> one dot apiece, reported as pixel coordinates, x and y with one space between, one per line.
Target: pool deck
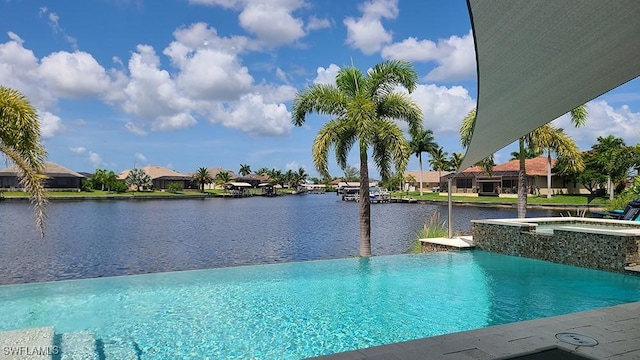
616 329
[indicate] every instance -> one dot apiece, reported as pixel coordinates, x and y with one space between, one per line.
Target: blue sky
190 83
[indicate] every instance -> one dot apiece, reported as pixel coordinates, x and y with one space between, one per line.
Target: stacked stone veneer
604 251
428 247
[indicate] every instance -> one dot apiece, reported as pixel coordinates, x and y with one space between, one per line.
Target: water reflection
107 238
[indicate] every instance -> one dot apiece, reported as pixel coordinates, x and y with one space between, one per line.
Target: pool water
303 309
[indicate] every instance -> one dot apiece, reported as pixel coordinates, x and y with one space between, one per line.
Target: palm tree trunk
522 183
610 187
420 161
365 204
548 174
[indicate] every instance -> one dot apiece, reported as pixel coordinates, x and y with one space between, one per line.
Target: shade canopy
537 60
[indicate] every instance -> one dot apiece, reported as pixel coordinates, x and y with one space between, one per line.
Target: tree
613 159
244 170
363 108
222 178
422 142
110 180
439 161
202 177
351 173
20 143
99 179
139 178
301 176
263 171
528 154
466 131
455 160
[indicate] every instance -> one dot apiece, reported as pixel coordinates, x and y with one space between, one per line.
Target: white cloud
281 75
443 108
174 122
133 128
367 33
78 149
275 94
326 76
141 157
74 75
455 56
94 159
603 120
50 125
253 115
54 23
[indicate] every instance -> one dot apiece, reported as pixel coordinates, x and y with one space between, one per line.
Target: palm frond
350 81
386 76
466 128
319 98
401 107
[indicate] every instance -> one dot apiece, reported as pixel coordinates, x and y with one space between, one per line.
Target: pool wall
597 247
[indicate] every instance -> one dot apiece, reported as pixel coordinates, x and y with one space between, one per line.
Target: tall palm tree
363 108
202 177
301 176
466 130
455 160
20 143
245 169
439 161
422 142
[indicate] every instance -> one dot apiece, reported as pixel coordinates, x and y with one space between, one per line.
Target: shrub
175 187
433 228
119 186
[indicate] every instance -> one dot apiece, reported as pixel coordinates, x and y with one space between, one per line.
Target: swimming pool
303 309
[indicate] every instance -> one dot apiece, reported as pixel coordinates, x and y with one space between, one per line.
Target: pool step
119 348
33 343
79 345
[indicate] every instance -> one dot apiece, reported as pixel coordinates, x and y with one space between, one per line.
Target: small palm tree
20 143
202 177
222 178
439 161
244 169
466 130
301 176
422 142
455 160
363 108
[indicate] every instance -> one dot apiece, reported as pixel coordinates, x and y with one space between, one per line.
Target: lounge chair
630 213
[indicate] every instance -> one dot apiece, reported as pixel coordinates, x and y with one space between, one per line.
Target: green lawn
556 199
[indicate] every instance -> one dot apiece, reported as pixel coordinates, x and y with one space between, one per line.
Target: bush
119 186
433 228
87 185
175 187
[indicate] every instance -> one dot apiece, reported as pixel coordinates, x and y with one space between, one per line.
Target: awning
537 60
239 184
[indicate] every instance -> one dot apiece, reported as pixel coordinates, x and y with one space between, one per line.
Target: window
464 183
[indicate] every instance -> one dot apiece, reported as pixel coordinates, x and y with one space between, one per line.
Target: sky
209 83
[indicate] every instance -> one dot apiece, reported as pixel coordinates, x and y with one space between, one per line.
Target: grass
556 199
432 228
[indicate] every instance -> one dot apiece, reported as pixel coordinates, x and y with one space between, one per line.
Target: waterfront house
162 177
57 177
430 180
503 179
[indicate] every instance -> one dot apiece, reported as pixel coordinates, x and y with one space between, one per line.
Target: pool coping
630 228
616 328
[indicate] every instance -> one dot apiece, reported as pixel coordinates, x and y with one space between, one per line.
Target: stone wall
428 247
591 250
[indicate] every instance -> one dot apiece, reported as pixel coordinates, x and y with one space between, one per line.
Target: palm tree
202 177
301 176
439 161
263 171
466 130
455 160
244 169
222 178
422 142
20 143
528 154
363 108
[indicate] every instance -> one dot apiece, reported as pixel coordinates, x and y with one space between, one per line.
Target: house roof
51 169
427 176
215 171
157 172
533 167
538 60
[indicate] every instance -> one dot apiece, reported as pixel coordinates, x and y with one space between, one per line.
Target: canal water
86 239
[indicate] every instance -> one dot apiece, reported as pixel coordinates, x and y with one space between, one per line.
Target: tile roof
156 172
427 176
50 169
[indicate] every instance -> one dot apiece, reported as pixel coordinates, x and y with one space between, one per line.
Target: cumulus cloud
253 115
50 125
455 56
603 120
326 76
74 75
78 149
367 33
315 23
174 122
443 107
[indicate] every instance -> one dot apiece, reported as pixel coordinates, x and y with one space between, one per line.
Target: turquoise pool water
297 310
